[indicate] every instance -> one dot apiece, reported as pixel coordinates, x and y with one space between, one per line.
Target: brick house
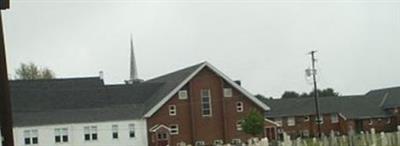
203 106
377 109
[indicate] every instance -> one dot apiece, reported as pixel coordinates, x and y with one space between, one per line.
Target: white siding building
127 133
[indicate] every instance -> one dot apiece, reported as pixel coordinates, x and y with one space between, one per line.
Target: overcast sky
262 43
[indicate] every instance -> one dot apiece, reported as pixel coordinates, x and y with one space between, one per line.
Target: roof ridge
56 79
321 97
381 89
179 70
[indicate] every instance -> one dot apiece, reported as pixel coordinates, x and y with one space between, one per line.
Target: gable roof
187 75
344 105
76 100
391 96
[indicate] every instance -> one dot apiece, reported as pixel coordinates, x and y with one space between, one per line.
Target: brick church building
203 106
196 105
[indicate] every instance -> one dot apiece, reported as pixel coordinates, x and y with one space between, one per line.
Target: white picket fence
364 139
369 138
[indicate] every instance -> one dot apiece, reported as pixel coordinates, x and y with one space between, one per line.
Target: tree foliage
321 93
290 94
253 123
31 71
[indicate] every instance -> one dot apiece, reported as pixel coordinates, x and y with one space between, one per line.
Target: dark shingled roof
170 82
391 96
75 100
352 107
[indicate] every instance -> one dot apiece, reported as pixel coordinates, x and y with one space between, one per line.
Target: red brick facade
343 126
193 126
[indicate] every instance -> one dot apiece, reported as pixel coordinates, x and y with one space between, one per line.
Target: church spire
133 69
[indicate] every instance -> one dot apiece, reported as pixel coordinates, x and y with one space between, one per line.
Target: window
90 133
239 125
388 121
31 137
236 141
61 135
291 121
239 106
306 133
183 95
278 121
227 92
200 143
218 142
174 129
206 102
162 136
306 118
334 118
131 130
320 121
172 110
114 129
370 122
94 132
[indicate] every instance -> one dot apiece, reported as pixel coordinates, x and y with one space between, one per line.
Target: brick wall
303 126
192 125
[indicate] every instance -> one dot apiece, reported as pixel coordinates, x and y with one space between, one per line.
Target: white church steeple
134 78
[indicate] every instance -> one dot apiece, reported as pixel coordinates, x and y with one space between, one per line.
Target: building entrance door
270 133
162 139
359 126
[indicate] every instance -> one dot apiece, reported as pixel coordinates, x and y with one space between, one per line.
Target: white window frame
306 133
334 118
228 92
183 95
208 102
388 120
114 130
91 131
239 106
31 135
306 118
218 142
239 125
322 119
291 121
172 110
62 133
174 129
200 143
236 141
370 122
132 133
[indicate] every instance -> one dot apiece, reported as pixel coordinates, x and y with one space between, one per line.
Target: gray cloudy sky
262 43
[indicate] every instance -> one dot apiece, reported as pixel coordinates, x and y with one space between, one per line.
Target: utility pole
5 101
314 72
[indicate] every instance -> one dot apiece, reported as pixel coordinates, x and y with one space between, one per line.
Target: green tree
290 94
253 123
31 71
321 93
